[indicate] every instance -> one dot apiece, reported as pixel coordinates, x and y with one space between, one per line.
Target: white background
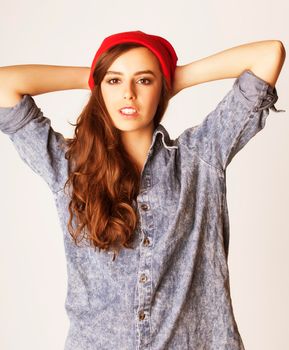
32 259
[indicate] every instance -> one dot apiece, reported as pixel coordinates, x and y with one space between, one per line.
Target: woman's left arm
264 58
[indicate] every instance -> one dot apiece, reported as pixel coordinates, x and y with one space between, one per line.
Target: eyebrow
136 73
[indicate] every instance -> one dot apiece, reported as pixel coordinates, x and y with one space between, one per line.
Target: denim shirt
171 292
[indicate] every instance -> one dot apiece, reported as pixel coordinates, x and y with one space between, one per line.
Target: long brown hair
104 179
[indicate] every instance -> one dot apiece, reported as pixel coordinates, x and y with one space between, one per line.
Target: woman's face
127 85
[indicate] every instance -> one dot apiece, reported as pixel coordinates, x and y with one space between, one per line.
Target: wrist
85 71
178 81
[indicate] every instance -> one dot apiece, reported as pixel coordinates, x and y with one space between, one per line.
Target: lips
128 111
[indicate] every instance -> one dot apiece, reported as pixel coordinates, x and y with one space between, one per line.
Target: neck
137 144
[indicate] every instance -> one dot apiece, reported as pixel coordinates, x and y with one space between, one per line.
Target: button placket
144 285
146 186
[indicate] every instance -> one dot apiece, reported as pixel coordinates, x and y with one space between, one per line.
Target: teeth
128 111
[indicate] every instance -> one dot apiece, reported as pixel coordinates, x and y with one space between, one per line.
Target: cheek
153 97
108 98
153 107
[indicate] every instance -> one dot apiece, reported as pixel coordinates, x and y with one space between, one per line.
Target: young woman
144 217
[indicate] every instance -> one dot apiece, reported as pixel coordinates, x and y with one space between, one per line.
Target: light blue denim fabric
171 292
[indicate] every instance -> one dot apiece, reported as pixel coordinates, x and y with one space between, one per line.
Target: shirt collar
166 140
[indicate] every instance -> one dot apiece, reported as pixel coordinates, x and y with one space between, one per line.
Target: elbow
279 50
278 55
270 66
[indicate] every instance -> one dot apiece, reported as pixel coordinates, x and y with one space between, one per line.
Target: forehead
136 59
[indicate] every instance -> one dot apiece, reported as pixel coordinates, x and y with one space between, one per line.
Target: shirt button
255 109
141 315
144 206
143 278
146 241
270 98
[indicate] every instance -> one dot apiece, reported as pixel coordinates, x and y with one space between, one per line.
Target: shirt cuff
14 118
255 92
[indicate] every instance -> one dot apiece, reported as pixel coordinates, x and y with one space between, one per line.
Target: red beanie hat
158 45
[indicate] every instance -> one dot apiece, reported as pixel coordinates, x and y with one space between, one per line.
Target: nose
129 92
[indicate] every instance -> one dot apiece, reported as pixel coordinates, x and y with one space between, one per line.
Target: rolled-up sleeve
41 148
235 120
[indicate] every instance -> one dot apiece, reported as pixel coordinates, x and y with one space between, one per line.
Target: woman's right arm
36 79
37 143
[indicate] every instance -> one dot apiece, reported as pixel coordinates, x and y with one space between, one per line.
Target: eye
109 81
148 80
